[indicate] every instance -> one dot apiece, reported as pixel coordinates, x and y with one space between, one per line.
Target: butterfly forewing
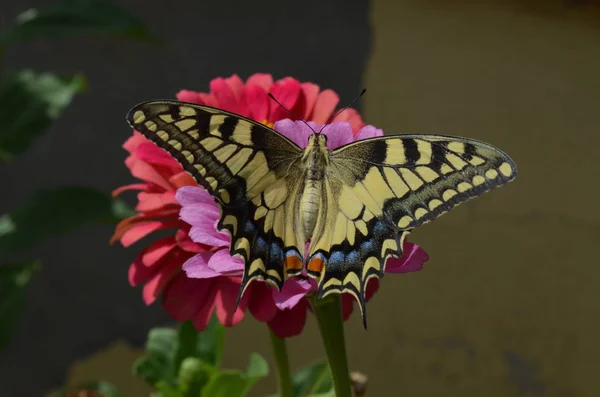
250 170
381 188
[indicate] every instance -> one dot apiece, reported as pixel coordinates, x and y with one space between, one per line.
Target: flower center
266 122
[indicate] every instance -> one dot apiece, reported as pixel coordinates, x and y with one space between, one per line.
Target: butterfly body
315 161
354 204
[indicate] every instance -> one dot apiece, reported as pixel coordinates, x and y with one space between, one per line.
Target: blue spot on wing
250 228
353 256
336 258
276 252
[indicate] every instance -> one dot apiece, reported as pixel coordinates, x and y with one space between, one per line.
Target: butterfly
355 205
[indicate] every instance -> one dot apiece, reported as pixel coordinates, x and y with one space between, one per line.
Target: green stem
329 316
283 366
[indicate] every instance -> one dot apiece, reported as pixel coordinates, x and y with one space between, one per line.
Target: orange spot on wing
316 265
292 262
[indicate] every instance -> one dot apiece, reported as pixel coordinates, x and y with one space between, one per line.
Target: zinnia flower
202 213
158 266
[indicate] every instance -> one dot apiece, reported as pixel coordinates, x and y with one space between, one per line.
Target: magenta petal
200 214
223 263
228 311
261 303
411 261
288 323
292 292
193 195
338 134
197 266
368 131
203 315
297 132
206 234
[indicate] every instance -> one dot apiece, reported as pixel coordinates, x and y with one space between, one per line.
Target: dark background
507 305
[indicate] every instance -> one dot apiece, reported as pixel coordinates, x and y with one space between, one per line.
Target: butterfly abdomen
315 159
309 206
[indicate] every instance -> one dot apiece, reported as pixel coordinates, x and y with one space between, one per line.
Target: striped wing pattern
379 189
249 169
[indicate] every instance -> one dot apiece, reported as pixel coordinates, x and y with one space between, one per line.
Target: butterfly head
317 140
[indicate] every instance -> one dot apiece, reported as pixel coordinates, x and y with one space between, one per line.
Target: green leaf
236 383
76 17
206 345
226 384
55 211
104 388
14 279
158 364
29 102
313 379
257 367
181 362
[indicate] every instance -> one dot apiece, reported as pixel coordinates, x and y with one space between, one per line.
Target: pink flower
289 306
158 266
250 99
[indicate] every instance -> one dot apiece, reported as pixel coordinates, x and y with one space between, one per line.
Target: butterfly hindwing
379 189
247 167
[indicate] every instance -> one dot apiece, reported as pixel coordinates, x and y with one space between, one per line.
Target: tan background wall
508 304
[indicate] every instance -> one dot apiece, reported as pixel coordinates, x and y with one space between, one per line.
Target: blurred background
508 303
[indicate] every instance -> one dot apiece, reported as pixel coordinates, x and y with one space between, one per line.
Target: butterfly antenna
290 112
331 118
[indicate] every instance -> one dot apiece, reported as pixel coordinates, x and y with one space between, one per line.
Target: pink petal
324 106
153 288
207 307
263 80
224 94
133 186
132 143
257 102
347 306
236 85
352 117
200 214
412 260
154 201
225 302
197 266
206 234
208 99
143 229
185 242
286 91
152 154
261 304
368 131
148 173
188 96
296 131
182 179
292 292
338 134
223 263
145 264
183 297
372 287
288 323
311 92
193 195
